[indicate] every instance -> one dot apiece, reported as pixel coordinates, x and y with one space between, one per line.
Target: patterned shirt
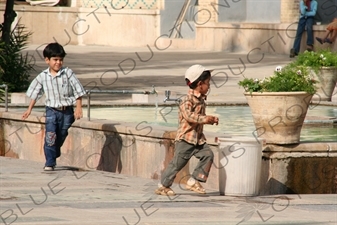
61 90
192 117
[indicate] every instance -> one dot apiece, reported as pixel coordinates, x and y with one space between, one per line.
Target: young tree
9 17
15 65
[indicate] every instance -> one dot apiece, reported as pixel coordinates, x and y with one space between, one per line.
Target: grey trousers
183 152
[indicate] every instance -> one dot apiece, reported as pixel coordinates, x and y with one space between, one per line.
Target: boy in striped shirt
190 140
62 90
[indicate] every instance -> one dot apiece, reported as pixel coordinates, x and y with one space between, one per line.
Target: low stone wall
144 151
88 26
134 149
252 38
306 168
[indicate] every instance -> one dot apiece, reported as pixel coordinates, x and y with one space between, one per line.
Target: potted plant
323 64
279 103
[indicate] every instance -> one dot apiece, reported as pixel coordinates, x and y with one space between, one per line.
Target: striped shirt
192 117
60 90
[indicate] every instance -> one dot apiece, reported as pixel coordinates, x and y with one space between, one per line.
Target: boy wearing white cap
190 140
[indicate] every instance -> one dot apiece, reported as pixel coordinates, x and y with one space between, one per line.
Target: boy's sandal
165 191
196 187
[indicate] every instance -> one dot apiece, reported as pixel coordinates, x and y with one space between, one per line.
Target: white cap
194 72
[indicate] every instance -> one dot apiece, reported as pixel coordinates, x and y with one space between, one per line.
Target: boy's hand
26 114
212 120
78 114
29 110
216 120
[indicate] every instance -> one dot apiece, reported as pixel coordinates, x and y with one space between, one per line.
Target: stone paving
72 196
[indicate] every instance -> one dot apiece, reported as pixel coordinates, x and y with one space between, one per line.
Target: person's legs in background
326 35
330 37
333 34
297 43
310 33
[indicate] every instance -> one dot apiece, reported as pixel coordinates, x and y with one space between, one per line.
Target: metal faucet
167 97
151 92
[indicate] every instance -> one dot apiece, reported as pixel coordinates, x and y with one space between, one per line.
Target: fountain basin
143 149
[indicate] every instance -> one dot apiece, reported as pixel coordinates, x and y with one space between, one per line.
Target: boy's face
55 64
204 86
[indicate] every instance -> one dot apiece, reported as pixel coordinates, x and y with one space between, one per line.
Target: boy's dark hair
54 50
204 76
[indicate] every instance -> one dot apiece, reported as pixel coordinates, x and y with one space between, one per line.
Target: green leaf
15 66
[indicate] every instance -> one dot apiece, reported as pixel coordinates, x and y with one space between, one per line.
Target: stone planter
327 77
278 116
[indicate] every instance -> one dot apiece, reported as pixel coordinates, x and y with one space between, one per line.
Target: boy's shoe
48 168
310 48
319 40
328 40
293 53
196 187
165 191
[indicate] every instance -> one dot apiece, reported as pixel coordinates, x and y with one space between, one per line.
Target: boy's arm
186 111
78 111
35 90
313 9
191 117
29 110
78 91
75 84
303 7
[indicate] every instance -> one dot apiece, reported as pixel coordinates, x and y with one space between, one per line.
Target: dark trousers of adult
56 131
305 23
183 152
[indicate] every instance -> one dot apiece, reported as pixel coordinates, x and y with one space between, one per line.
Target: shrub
2 95
287 79
15 66
1 72
317 60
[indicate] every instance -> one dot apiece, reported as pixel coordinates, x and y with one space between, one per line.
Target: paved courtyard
28 195
69 196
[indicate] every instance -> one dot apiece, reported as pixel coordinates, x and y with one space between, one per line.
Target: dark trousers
56 131
183 152
304 24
